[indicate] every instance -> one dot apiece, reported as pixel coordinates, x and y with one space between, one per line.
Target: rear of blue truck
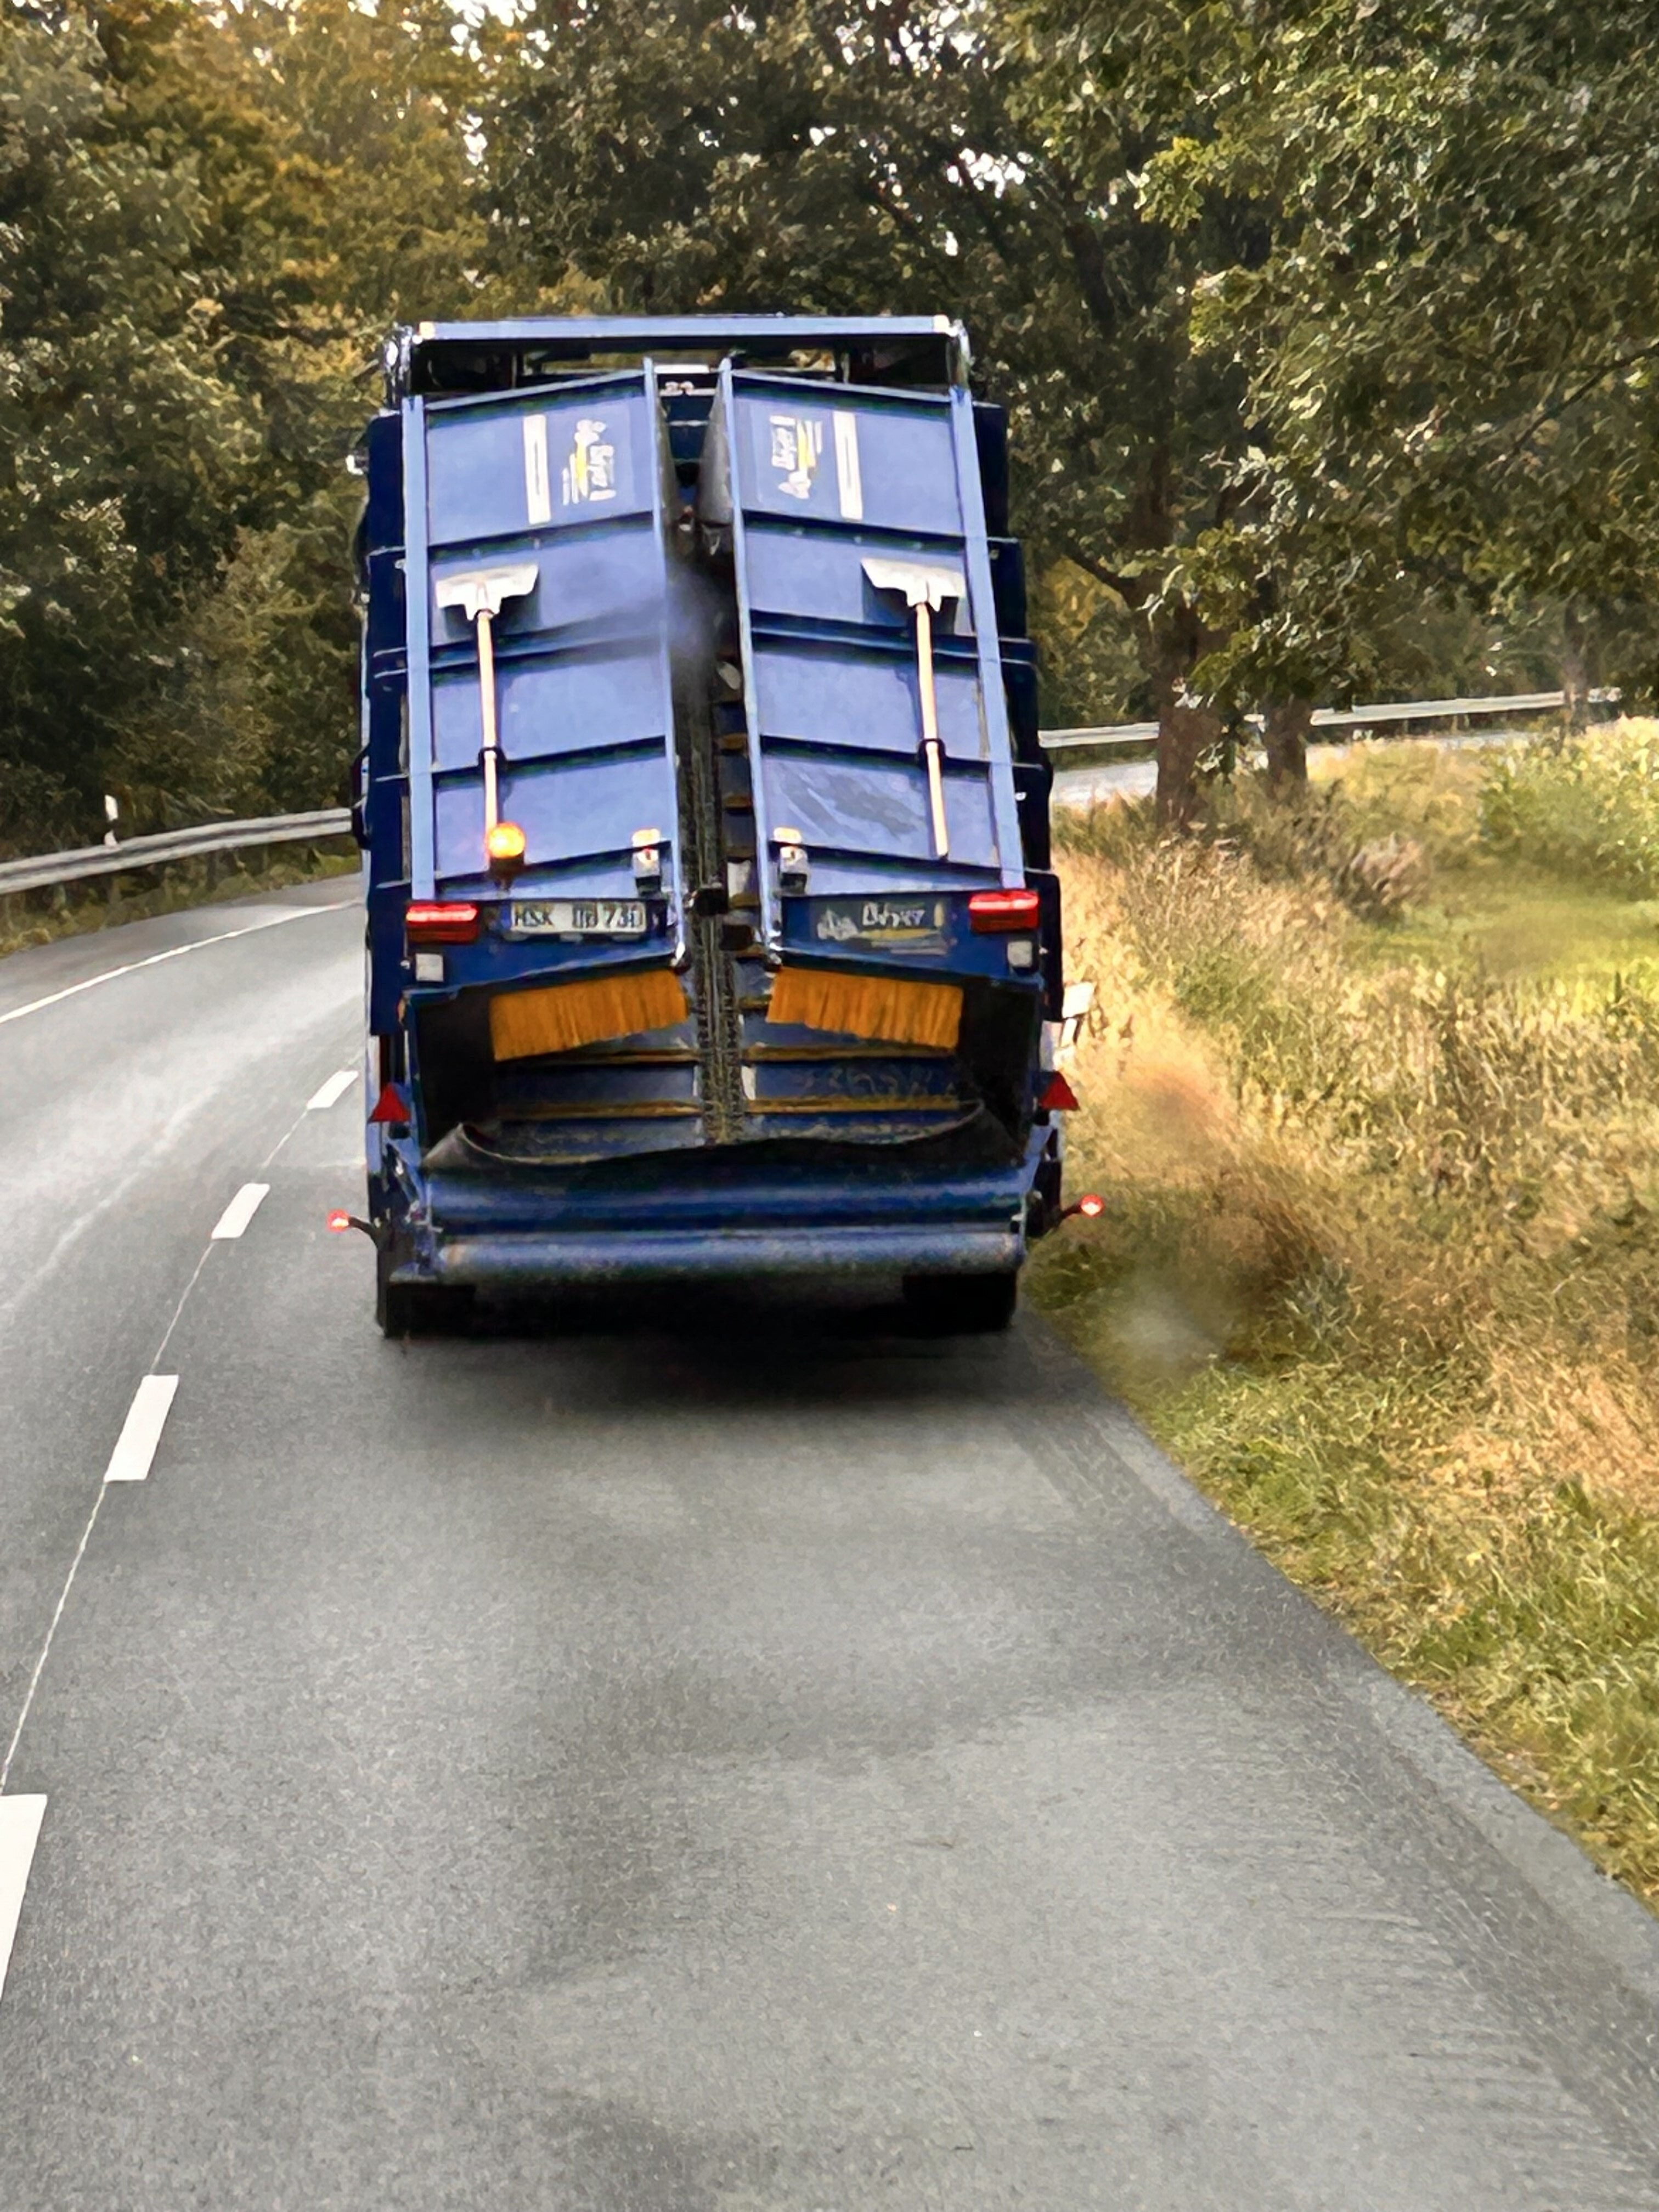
711 927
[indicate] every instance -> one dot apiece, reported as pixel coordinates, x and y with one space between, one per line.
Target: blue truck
712 930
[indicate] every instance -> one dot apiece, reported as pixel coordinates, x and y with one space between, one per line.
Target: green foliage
207 221
913 158
1327 333
125 453
1588 809
1452 344
1091 669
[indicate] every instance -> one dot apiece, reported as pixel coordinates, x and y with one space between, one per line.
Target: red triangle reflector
1059 1098
391 1105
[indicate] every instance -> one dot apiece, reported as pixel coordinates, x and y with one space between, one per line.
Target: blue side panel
417 645
814 480
569 480
386 782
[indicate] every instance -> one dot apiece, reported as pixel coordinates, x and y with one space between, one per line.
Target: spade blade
924 583
486 591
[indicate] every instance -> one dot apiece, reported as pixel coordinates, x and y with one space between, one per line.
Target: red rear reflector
1059 1098
1003 910
441 921
391 1105
1091 1205
339 1220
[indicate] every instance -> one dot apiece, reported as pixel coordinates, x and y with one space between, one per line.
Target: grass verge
1380 1264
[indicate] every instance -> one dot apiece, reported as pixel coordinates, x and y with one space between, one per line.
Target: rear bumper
825 1252
676 1217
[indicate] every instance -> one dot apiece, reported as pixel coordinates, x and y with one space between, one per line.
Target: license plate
577 918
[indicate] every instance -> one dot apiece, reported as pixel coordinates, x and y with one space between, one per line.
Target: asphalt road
736 1759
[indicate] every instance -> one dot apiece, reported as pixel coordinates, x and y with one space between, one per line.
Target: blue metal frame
544 651
840 539
418 634
872 1191
585 335
660 521
982 600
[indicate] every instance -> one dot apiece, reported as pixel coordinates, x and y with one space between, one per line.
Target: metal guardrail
48 869
45 869
1343 718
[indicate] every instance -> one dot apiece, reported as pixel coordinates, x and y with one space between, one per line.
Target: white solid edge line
19 1830
147 1416
241 1210
174 952
335 1088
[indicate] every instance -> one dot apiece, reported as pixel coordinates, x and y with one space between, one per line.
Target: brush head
890 1007
561 1016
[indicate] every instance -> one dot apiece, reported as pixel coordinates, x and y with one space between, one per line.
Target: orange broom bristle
890 1007
524 1023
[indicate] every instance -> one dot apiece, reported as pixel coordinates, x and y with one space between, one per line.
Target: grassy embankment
1380 1262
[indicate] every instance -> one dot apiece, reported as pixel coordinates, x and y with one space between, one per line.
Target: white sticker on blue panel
589 476
849 481
538 493
797 448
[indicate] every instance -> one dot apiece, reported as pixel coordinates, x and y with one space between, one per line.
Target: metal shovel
926 588
481 594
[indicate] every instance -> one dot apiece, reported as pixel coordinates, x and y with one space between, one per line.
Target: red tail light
441 921
1003 911
1057 1097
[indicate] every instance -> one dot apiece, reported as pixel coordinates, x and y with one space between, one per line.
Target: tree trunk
1284 731
1186 732
1575 667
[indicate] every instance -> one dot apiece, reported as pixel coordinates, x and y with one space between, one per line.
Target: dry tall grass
1381 1263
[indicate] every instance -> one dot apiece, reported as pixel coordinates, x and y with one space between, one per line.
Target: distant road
1135 779
741 1758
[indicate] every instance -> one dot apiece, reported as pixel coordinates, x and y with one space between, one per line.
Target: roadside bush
1322 837
1588 810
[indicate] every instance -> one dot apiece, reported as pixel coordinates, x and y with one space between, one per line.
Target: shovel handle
932 751
491 754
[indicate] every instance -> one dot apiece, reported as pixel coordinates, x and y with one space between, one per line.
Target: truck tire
963 1305
417 1309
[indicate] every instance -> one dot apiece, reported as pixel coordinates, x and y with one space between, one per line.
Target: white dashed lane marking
20 1828
335 1089
241 1210
147 1416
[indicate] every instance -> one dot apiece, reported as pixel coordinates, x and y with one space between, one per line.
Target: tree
1453 346
209 218
329 149
125 453
911 157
